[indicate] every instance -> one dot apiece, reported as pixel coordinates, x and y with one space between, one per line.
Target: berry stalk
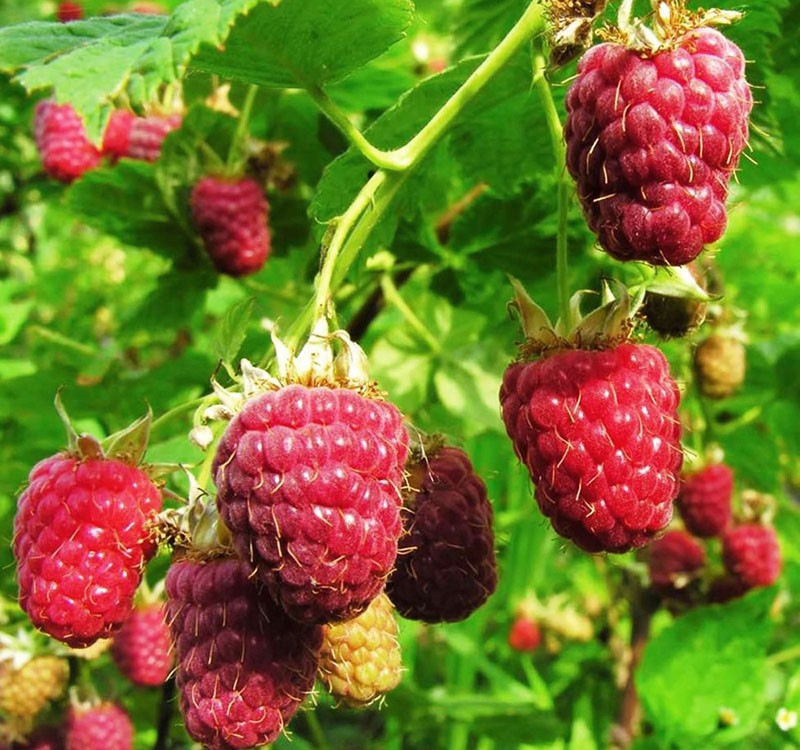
356 224
555 129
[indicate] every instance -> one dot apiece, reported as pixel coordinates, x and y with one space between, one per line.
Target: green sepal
129 444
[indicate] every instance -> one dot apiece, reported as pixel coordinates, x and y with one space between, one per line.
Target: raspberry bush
466 337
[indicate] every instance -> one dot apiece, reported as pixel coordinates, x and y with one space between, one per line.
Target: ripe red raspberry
116 139
673 560
652 140
69 11
65 150
148 133
525 635
600 435
309 484
81 541
244 668
100 727
231 217
751 553
704 500
142 648
446 568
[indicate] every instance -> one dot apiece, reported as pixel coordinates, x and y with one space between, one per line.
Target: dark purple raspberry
244 668
704 500
446 568
309 485
231 217
673 560
652 141
600 435
751 553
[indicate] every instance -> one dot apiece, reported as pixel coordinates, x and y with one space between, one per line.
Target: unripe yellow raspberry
24 692
361 658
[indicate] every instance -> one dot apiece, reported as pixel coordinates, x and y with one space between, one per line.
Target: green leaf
345 176
126 202
705 663
307 42
232 329
89 63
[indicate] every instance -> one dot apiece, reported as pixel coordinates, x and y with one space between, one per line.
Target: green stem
242 127
393 297
316 731
372 202
380 158
788 654
406 157
564 188
520 34
176 411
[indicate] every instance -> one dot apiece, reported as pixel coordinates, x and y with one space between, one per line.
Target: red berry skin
447 567
751 553
525 635
674 555
308 483
704 500
116 139
65 150
69 11
652 141
147 134
142 648
81 542
599 433
231 218
244 668
100 727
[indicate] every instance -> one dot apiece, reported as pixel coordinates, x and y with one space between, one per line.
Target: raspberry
525 635
81 541
720 362
360 660
142 647
704 500
100 727
69 11
148 133
751 553
600 435
231 218
43 738
26 691
116 139
309 484
726 588
447 568
673 560
243 666
652 141
65 150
